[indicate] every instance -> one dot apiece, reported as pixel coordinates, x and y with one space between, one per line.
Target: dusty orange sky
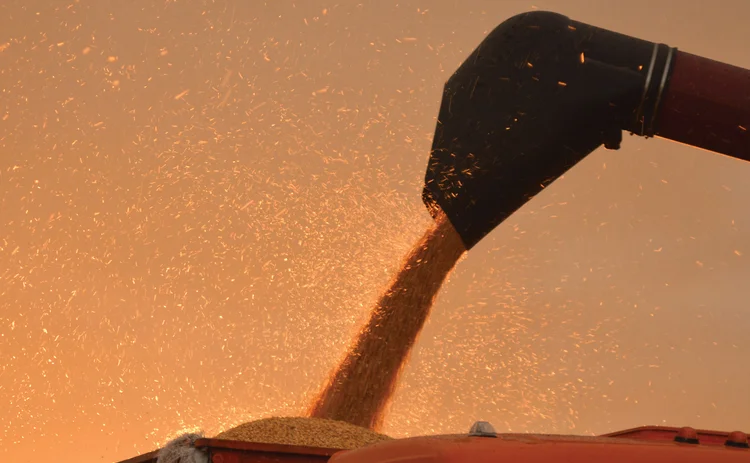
200 200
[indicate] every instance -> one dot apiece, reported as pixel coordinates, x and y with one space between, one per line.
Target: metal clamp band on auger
657 78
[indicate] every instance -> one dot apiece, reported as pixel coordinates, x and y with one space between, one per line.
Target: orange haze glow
201 200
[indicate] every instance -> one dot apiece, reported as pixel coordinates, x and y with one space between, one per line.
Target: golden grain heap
310 432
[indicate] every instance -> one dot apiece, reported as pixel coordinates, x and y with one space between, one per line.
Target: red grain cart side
645 444
227 451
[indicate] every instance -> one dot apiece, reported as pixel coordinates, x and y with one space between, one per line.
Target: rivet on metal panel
687 435
737 439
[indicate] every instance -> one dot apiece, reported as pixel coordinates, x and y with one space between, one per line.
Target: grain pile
359 390
312 432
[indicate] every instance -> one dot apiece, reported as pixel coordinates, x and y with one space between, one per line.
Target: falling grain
359 390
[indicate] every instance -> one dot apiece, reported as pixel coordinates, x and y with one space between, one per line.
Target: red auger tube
706 104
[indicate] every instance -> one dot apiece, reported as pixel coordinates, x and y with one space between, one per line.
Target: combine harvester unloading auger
539 94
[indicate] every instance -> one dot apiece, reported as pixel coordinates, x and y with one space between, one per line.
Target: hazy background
200 201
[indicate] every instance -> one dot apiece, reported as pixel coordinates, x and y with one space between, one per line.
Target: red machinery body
538 449
648 444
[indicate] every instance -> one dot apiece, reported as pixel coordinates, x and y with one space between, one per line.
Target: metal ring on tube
646 85
664 77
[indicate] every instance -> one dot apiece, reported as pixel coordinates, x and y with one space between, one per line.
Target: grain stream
360 388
